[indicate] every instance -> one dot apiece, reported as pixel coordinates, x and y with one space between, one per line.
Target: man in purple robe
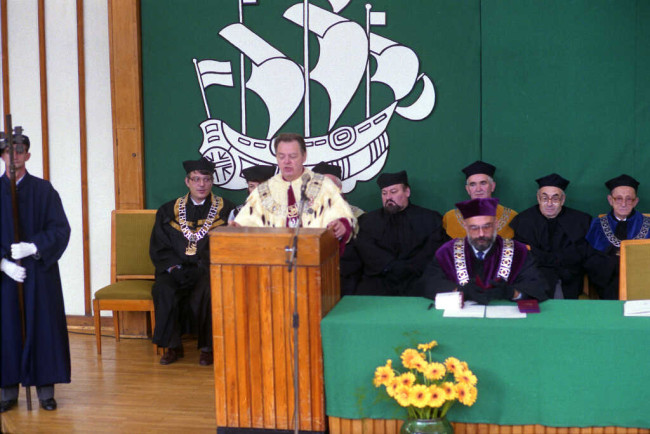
483 265
44 359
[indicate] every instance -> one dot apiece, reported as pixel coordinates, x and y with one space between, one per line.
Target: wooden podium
252 307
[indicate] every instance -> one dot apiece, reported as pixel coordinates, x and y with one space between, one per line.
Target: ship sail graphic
345 49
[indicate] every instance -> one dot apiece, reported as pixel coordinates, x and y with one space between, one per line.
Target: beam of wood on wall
126 98
42 57
5 57
83 151
126 106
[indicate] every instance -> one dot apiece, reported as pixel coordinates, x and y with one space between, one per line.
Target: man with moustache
180 251
556 237
483 265
394 243
623 222
479 184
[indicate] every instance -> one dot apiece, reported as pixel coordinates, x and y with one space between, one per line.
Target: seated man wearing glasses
180 251
556 237
623 222
482 265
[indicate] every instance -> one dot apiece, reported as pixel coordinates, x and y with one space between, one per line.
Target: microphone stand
291 267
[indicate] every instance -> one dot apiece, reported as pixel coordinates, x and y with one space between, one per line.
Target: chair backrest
131 233
635 270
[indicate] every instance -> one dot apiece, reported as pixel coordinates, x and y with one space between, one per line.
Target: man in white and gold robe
276 202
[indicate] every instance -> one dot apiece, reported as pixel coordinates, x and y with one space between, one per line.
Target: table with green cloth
578 363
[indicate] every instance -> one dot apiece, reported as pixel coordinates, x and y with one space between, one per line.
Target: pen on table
430 306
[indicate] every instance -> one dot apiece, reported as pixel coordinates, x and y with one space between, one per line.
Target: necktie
480 255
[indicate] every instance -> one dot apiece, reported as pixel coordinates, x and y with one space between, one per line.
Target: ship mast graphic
343 65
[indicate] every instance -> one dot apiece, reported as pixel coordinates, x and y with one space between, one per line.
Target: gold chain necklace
194 237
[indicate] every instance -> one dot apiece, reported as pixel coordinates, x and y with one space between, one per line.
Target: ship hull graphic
360 150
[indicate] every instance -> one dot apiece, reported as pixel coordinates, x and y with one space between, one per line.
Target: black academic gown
182 298
558 245
391 251
45 358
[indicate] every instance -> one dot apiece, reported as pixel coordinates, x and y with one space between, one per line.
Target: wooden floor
125 390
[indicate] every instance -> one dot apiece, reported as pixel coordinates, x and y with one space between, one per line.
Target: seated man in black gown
394 243
180 251
483 265
556 236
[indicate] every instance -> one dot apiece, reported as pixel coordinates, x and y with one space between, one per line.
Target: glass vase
427 426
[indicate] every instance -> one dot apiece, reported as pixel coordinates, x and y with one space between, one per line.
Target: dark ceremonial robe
45 359
183 306
558 245
605 235
442 274
393 249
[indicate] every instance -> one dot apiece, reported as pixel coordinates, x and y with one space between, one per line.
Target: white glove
12 270
23 250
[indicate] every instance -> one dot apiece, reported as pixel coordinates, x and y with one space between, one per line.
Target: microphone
305 180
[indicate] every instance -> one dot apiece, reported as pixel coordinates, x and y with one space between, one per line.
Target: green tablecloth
577 363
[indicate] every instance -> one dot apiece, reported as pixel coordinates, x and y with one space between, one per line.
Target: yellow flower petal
452 364
420 396
403 396
407 379
437 396
383 374
410 358
434 371
466 394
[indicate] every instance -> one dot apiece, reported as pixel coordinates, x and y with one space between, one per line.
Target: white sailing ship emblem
282 84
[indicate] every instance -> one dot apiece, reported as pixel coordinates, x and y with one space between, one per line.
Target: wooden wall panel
126 99
388 426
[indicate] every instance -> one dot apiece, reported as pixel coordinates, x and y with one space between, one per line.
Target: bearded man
482 265
394 243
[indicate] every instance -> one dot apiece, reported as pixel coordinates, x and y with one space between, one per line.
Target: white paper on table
636 308
449 300
470 310
504 312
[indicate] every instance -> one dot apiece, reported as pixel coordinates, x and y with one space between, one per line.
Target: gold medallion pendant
191 249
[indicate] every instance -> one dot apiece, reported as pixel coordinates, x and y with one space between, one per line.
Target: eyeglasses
201 179
475 228
624 200
554 200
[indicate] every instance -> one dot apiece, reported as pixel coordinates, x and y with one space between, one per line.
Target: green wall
530 86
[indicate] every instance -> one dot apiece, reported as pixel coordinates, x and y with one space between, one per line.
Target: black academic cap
18 140
479 167
201 164
622 181
387 179
258 173
552 180
327 169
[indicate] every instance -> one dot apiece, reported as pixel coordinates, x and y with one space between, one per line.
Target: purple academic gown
45 358
441 276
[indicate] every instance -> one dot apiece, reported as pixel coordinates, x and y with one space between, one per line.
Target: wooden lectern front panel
252 309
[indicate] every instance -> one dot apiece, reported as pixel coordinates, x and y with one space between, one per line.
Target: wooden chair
634 283
132 273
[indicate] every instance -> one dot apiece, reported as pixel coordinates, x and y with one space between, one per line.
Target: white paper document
504 312
449 300
469 310
636 308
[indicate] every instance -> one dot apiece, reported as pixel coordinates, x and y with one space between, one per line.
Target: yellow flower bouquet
429 388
